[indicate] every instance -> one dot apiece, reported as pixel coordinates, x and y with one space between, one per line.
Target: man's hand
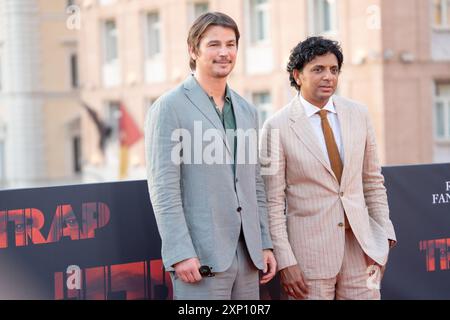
370 262
187 270
293 282
392 243
270 266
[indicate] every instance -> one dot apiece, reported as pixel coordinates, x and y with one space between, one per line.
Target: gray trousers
239 282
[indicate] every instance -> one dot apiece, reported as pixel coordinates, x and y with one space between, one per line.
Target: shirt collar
227 93
311 109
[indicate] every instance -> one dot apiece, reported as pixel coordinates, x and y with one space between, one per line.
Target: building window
110 39
441 14
442 112
114 119
111 67
153 35
154 62
74 70
263 102
259 52
200 8
196 9
324 15
76 149
259 20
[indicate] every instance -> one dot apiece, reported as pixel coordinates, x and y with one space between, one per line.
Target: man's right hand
293 282
187 270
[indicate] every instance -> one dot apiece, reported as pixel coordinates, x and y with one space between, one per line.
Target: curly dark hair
305 51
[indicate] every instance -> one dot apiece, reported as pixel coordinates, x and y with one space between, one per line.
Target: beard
222 71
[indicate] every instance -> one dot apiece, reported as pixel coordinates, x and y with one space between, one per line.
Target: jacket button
340 224
239 209
237 180
341 194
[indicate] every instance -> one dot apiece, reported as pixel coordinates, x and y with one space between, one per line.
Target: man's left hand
392 243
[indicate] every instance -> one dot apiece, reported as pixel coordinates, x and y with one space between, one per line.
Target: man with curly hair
327 204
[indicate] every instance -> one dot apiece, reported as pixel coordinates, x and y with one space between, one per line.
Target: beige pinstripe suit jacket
302 184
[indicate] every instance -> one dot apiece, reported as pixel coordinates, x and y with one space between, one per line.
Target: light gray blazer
196 204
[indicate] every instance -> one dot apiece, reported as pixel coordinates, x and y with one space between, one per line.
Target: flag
104 130
129 134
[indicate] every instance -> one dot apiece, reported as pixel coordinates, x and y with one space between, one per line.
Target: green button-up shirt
229 122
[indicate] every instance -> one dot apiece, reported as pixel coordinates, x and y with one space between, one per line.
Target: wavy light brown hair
202 23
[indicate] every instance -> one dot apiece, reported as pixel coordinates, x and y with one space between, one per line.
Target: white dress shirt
314 119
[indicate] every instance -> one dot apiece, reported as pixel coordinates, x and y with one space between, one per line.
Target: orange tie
333 152
332 149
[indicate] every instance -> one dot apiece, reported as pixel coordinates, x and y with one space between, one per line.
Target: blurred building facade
396 61
39 102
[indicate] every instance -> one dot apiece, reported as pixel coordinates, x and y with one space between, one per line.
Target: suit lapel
238 116
303 130
344 117
201 101
240 125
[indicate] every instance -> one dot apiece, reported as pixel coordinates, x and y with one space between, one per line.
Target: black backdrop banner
94 241
419 202
100 241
